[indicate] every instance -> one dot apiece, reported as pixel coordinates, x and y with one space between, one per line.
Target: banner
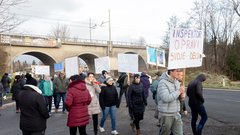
71 66
101 64
186 48
58 67
41 70
128 63
156 56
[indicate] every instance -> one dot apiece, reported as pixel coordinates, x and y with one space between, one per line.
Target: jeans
112 110
197 130
49 102
59 96
170 124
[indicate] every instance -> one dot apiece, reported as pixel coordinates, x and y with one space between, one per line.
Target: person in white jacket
94 107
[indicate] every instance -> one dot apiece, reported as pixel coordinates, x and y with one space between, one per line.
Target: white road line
232 100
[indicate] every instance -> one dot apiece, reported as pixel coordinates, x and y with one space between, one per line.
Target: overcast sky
130 19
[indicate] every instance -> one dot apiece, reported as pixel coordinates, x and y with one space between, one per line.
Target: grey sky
130 19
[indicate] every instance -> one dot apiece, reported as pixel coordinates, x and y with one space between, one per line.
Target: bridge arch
46 59
88 58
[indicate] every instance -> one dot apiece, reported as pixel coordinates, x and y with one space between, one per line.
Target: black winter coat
194 91
136 98
34 110
16 88
108 96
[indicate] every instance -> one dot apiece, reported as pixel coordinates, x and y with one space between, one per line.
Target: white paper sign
101 64
42 70
186 48
128 63
71 66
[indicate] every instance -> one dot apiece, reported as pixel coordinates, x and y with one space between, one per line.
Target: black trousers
82 130
95 122
122 91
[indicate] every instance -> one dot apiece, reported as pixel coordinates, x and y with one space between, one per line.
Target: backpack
154 87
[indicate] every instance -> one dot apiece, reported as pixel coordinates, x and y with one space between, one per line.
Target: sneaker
114 132
101 129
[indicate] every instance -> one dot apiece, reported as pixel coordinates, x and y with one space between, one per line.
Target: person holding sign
195 102
168 93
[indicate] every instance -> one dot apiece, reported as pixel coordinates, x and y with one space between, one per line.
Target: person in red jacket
77 100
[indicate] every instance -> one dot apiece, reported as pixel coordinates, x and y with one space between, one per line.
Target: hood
87 81
201 77
35 88
78 84
165 76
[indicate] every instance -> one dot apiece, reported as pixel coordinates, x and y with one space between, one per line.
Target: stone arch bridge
50 50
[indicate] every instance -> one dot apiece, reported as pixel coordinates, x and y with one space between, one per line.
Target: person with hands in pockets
108 100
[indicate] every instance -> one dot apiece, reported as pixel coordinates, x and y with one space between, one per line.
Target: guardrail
50 41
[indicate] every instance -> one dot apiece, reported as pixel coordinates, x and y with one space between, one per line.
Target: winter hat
109 79
30 80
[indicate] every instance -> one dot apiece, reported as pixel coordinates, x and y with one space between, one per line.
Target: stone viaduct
50 50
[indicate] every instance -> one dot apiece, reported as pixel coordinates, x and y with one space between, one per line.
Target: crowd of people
84 98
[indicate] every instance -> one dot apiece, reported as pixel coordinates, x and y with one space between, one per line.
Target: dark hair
75 77
17 78
136 76
90 73
103 72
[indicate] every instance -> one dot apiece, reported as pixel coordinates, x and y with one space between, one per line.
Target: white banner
128 63
41 70
71 66
186 48
101 64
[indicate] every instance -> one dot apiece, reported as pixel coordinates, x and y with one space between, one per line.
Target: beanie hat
109 79
30 80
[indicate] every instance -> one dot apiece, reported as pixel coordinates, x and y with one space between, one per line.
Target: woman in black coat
16 88
137 102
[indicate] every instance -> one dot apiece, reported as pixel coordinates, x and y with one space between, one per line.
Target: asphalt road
221 105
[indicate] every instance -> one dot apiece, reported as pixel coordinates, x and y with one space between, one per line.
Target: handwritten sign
186 48
71 66
128 63
42 70
102 63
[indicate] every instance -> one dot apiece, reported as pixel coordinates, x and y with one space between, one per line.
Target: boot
133 127
139 132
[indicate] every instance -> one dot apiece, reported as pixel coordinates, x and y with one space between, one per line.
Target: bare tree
172 23
8 21
60 32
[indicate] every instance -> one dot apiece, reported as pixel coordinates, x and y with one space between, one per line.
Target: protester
60 87
183 109
144 79
153 88
93 107
123 84
108 100
77 100
195 102
34 112
16 88
46 86
137 102
103 77
1 91
6 84
168 93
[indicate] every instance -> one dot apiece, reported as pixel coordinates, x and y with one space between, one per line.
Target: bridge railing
50 41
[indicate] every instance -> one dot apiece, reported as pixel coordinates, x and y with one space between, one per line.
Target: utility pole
90 28
110 42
